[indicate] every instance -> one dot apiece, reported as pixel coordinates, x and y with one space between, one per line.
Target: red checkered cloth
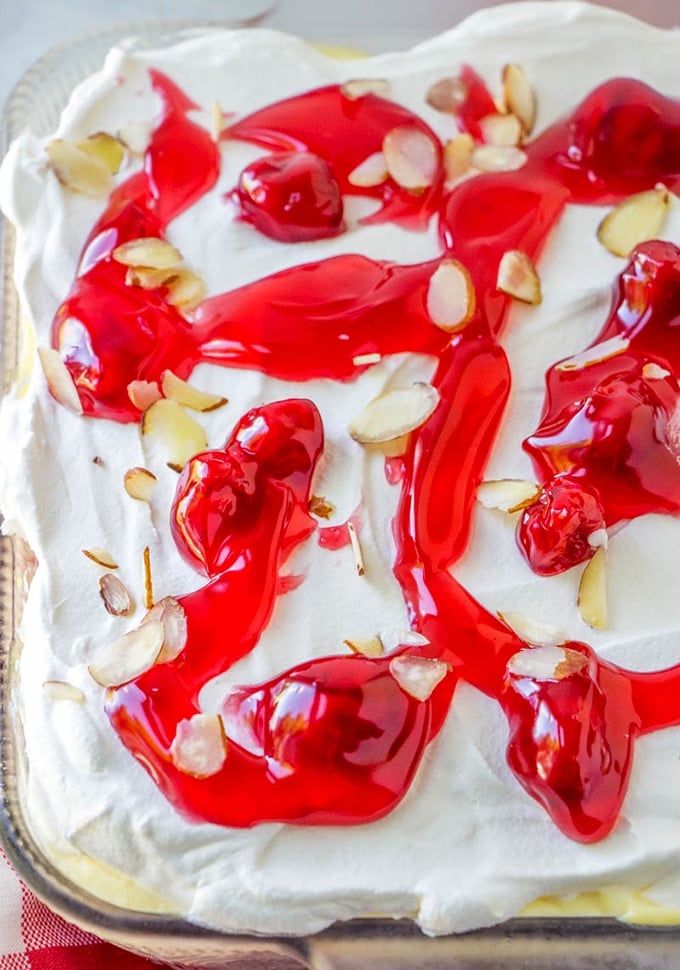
33 938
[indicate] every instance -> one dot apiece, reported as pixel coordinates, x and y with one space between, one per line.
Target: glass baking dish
385 944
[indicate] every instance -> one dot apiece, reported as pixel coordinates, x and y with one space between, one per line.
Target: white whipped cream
467 847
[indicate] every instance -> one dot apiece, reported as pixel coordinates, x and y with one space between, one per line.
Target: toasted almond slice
101 557
598 538
150 279
372 171
320 507
59 380
77 170
395 447
148 251
116 598
61 690
595 354
186 290
654 372
447 95
507 494
178 434
411 157
418 676
518 278
144 393
148 578
199 747
216 121
139 483
175 389
356 548
366 646
135 136
519 96
546 662
394 413
360 87
104 147
532 630
592 591
501 130
127 658
637 219
173 617
492 158
458 156
450 297
362 359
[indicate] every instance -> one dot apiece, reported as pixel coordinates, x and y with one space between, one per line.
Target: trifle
344 443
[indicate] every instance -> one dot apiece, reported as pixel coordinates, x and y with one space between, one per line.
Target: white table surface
30 27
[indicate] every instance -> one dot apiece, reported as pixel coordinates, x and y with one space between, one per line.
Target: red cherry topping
292 197
553 531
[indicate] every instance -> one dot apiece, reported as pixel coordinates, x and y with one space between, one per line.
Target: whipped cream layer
467 847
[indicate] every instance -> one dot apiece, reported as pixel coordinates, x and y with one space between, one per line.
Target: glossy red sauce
337 740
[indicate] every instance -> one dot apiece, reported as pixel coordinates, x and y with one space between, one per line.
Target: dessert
310 631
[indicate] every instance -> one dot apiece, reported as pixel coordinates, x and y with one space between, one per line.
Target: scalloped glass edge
566 943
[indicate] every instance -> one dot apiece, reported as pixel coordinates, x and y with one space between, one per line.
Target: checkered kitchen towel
33 938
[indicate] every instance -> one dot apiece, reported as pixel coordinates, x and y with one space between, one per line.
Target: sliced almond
144 393
77 170
179 436
150 279
139 483
599 538
361 360
395 447
186 290
411 157
447 95
199 747
394 413
360 87
458 156
356 548
102 557
595 354
320 507
592 591
637 219
518 278
450 297
135 136
104 147
116 597
366 646
372 171
173 618
148 578
418 676
519 96
216 121
175 389
501 130
532 630
60 690
129 657
493 158
654 372
546 662
507 494
148 251
59 380
411 638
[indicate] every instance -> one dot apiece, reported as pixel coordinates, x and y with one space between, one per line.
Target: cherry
553 531
291 197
